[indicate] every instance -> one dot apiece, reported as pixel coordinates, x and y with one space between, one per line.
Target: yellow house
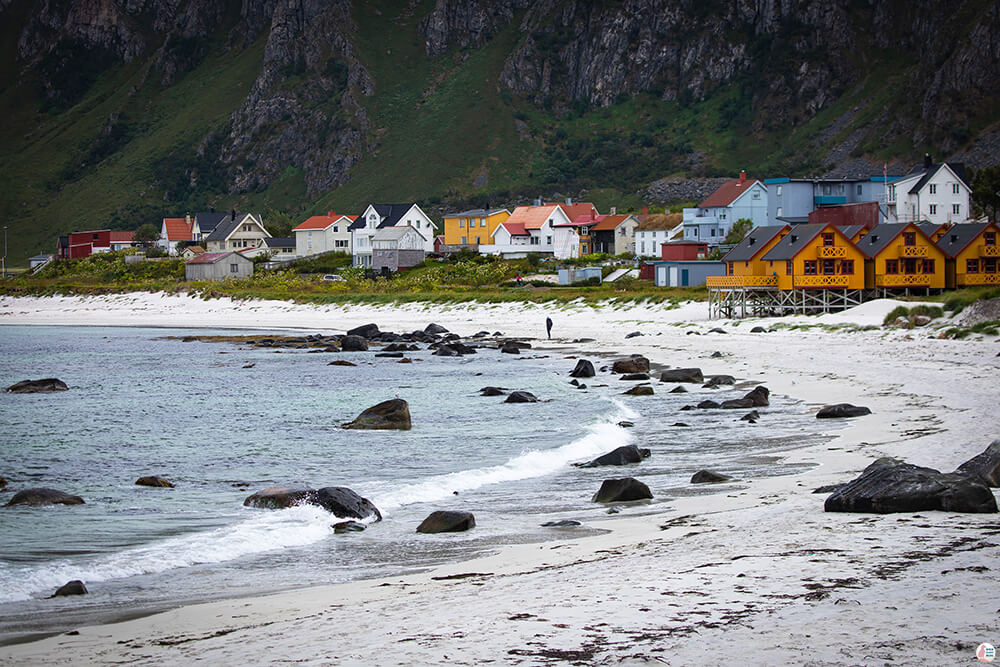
815 257
744 266
901 255
933 230
473 227
973 254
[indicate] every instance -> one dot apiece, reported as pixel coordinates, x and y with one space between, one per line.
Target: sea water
221 421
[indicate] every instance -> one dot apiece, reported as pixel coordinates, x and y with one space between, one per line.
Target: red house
683 250
85 244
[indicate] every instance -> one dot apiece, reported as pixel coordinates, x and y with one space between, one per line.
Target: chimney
927 161
614 210
538 201
751 240
593 214
211 209
645 210
792 238
232 214
743 176
330 214
187 219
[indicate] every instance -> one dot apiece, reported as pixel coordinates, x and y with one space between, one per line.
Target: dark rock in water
446 521
985 466
693 333
716 355
491 391
687 407
445 351
353 344
3 484
153 480
758 330
692 375
709 405
736 403
74 587
633 334
842 410
717 330
405 360
462 348
621 490
623 423
521 397
575 383
639 390
888 485
435 329
581 386
709 477
37 386
716 380
583 369
344 502
348 527
390 355
451 336
751 416
400 347
679 389
391 414
830 488
279 497
510 348
564 523
365 331
631 365
341 362
44 496
759 395
618 457
583 340
635 376
681 424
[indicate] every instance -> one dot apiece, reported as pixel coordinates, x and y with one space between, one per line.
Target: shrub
894 314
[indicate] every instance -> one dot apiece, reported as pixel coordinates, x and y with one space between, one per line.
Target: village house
815 257
655 230
241 230
793 200
510 240
379 216
736 199
323 233
936 193
205 223
84 244
744 264
282 248
174 232
191 251
900 256
973 254
474 227
218 266
538 221
395 248
614 234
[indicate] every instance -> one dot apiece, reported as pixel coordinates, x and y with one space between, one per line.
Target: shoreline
778 513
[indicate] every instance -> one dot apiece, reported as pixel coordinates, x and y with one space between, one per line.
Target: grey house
397 248
218 266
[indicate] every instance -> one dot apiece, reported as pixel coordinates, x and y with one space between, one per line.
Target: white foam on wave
292 527
599 439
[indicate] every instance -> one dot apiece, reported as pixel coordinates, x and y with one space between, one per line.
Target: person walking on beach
518 279
548 327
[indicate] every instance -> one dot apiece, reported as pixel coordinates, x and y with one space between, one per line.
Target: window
828 240
779 212
972 266
891 266
933 189
954 189
463 240
859 189
95 237
309 234
789 268
340 244
548 240
777 191
933 209
461 222
756 195
809 267
956 209
482 222
989 265
729 268
928 266
909 238
643 244
335 230
989 238
847 267
234 268
713 231
829 267
534 240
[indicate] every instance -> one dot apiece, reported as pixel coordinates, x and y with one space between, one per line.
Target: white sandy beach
755 574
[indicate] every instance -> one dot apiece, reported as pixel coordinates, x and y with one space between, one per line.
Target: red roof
728 192
322 221
209 257
609 222
178 229
122 237
574 211
514 228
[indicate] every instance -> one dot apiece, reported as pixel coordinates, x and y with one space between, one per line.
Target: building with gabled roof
398 247
900 256
614 234
973 254
473 227
323 233
378 216
539 221
239 231
654 230
933 192
218 266
174 231
815 257
736 199
744 262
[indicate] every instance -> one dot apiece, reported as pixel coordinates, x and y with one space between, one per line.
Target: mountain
119 112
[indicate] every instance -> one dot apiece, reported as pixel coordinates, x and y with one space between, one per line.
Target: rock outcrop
631 365
842 410
154 480
338 500
387 415
583 369
621 490
37 386
689 375
447 521
44 496
985 466
618 457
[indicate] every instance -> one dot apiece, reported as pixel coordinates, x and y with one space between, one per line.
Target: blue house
736 199
791 200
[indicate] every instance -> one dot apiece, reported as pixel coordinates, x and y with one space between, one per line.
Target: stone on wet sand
636 364
583 369
618 457
690 375
75 587
639 390
985 466
842 410
709 477
447 521
621 490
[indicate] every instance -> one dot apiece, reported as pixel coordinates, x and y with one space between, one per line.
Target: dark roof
390 214
959 236
207 222
793 242
957 167
475 213
224 229
929 228
280 242
879 237
752 243
850 230
794 220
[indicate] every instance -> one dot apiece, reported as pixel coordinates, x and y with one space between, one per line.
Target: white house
377 216
736 199
938 193
177 230
655 230
510 240
239 231
324 233
395 248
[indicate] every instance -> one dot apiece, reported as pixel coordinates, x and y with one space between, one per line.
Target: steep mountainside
119 112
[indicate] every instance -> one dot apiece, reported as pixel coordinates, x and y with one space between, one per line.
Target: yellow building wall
978 251
456 227
841 250
757 266
899 251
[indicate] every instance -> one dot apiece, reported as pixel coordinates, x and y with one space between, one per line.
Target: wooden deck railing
821 281
742 281
904 280
825 252
913 251
989 251
977 279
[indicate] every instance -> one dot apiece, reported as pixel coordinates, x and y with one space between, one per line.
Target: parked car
333 278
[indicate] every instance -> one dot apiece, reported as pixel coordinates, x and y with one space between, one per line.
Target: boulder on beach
348 527
618 457
365 331
445 351
435 329
3 484
889 485
634 376
43 496
679 389
709 404
621 490
985 466
391 414
447 521
637 364
583 369
842 410
341 362
634 334
690 375
759 395
625 424
758 329
709 477
510 348
390 355
74 587
338 500
154 480
738 403
751 417
639 390
352 343
521 397
563 523
716 380
491 391
37 386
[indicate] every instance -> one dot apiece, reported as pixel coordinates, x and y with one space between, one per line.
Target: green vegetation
957 301
910 314
988 328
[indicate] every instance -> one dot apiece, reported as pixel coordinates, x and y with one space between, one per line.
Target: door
684 277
